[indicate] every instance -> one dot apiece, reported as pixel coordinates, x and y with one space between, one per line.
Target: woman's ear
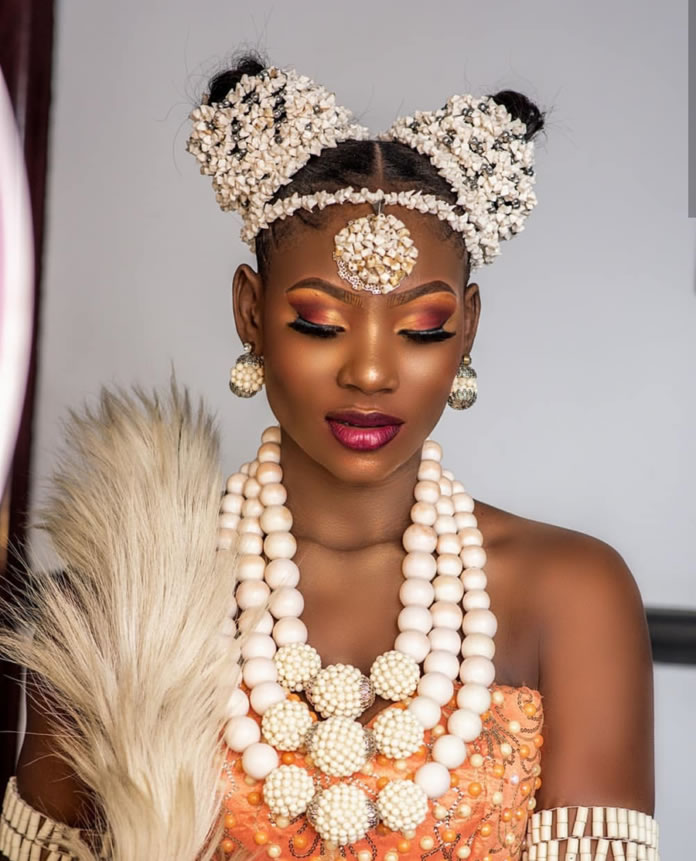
472 311
247 301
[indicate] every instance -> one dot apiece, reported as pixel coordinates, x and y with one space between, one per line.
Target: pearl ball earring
246 377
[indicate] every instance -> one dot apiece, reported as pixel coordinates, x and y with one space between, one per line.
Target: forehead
307 251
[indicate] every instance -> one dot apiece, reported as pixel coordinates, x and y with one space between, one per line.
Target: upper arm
596 680
44 780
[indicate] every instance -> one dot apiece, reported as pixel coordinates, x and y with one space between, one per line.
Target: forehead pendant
374 252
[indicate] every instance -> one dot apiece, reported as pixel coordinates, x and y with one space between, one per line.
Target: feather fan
130 641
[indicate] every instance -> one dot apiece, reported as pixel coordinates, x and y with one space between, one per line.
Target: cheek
299 369
428 370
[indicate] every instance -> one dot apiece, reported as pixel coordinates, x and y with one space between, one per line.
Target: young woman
509 713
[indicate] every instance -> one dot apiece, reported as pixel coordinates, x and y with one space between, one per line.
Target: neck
343 515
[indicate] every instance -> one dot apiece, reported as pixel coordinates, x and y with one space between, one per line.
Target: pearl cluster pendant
443 594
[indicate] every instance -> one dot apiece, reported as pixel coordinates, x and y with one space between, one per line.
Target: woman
360 321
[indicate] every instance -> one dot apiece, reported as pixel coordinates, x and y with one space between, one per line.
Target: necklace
444 591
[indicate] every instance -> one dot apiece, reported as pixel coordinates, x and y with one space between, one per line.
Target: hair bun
520 107
219 85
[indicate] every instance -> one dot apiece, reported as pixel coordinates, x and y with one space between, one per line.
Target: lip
363 431
370 419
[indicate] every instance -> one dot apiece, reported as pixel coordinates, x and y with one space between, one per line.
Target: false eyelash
306 327
427 335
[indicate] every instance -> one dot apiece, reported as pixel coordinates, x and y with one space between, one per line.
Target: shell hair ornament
270 124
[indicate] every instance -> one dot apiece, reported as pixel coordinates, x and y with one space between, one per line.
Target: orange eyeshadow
315 311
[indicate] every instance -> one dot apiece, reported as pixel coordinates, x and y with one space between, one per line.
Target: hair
389 165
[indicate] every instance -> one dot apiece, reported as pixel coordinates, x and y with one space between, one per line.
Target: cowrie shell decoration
375 252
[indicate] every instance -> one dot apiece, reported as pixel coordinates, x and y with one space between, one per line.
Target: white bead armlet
597 834
27 835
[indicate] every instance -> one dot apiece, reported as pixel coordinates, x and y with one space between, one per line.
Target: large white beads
477 669
479 621
442 662
394 675
433 778
342 814
252 593
286 601
478 644
436 686
276 518
289 630
415 619
426 711
297 664
402 805
465 724
449 750
288 790
258 670
259 760
419 538
237 704
415 644
285 724
423 565
340 689
271 434
476 698
257 645
431 450
282 572
445 640
339 746
398 733
417 592
265 695
241 732
279 545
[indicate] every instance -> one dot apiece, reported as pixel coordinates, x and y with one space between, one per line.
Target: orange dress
483 817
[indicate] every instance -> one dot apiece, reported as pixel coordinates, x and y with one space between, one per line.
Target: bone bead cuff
25 833
596 834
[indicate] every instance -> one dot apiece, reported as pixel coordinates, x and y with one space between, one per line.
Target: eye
425 336
306 327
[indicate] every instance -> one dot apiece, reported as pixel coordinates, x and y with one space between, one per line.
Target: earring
246 377
464 386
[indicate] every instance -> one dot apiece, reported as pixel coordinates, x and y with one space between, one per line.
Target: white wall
586 349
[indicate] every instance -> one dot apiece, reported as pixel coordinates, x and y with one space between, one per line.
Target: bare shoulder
559 565
593 656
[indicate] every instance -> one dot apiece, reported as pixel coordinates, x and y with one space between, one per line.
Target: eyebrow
350 297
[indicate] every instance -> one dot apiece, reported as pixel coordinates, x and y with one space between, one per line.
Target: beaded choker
443 592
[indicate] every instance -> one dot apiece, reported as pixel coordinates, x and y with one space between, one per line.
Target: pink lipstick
363 431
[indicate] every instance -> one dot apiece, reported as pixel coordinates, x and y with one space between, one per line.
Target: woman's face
356 380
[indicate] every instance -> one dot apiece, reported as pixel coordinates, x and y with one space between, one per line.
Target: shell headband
270 124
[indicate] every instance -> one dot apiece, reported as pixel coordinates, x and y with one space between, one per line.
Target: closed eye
306 327
427 335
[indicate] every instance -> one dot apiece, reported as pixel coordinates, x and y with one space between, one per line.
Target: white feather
129 642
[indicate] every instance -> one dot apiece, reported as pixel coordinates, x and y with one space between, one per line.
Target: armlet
596 834
26 834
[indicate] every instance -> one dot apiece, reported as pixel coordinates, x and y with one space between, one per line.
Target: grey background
586 349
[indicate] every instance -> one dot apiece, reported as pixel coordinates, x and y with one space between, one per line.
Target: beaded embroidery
483 815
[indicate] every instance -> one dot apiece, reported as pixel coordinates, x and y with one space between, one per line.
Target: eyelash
306 327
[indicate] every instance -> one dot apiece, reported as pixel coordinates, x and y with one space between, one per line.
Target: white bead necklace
444 591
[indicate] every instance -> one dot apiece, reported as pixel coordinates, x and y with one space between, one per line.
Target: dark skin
570 617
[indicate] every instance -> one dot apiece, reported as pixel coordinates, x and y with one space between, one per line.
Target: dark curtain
26 54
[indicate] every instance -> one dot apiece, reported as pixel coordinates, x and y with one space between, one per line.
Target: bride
443 678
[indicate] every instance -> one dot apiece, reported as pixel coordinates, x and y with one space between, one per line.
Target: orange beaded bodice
483 817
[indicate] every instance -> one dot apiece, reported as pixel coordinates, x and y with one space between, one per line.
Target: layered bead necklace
443 593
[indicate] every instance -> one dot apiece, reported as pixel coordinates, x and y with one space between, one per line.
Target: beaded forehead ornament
269 125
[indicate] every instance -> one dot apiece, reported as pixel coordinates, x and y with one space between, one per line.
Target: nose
371 363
